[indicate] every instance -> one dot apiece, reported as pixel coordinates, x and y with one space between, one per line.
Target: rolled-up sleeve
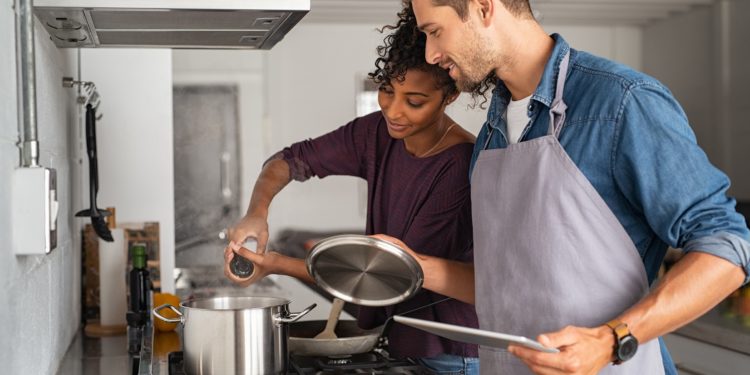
725 245
340 152
662 171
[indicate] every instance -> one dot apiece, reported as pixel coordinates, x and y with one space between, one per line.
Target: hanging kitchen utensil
364 270
97 215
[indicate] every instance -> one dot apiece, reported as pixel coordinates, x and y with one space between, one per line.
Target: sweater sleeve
340 152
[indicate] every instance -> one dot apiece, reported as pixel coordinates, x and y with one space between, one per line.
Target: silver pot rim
245 303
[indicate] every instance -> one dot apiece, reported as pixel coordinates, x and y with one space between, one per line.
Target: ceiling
558 12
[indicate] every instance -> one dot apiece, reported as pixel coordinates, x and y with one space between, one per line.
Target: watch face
627 348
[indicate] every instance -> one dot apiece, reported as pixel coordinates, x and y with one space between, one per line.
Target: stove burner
366 363
339 361
175 361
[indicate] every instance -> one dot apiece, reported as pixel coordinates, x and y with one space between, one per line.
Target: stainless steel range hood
241 24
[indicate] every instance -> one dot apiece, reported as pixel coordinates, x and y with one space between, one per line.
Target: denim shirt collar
544 93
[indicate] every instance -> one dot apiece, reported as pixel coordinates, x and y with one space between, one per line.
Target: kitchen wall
310 88
134 139
40 295
243 70
710 80
736 83
309 80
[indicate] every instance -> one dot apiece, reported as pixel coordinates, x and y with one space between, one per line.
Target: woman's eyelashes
388 90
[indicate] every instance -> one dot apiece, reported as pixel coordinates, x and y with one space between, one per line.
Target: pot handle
168 320
293 317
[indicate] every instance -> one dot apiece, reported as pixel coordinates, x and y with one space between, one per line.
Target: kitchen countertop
108 355
97 355
154 362
716 329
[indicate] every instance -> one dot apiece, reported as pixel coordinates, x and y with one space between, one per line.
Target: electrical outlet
35 208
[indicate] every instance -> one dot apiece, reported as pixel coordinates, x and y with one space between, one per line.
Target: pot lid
364 270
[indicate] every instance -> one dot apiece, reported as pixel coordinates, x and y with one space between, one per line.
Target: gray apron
548 252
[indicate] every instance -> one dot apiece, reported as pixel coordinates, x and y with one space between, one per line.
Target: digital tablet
473 335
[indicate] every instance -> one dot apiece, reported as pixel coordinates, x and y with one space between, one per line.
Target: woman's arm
265 264
447 277
336 153
274 176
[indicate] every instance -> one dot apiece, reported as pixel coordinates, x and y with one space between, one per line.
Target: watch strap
619 328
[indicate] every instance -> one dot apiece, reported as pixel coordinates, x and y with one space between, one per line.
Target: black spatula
97 215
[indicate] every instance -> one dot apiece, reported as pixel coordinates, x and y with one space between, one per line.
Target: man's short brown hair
515 7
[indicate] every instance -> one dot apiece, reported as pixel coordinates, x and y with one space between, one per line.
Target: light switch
35 209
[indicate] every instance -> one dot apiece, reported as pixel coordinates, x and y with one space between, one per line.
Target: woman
415 159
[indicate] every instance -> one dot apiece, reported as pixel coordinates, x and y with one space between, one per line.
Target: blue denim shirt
631 139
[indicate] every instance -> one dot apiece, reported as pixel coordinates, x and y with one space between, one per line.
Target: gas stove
365 363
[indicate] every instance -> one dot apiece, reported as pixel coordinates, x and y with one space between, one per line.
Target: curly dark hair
404 49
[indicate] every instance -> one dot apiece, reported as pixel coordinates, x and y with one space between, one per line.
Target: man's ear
485 10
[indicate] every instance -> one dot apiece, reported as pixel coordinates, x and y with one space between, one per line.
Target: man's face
456 45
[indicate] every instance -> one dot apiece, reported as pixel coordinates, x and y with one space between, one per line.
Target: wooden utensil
333 319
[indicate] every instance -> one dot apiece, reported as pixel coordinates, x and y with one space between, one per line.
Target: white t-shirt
517 118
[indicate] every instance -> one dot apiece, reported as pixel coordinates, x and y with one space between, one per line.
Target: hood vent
241 24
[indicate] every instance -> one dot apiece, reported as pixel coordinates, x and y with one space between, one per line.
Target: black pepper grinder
241 266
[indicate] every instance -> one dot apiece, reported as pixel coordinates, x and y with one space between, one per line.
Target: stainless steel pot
234 335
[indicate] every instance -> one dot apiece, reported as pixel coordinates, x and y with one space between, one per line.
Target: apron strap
489 137
557 110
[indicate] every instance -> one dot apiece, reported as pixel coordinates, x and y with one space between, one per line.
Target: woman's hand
417 256
447 277
251 227
264 263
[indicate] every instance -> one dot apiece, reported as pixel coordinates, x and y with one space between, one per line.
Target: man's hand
582 351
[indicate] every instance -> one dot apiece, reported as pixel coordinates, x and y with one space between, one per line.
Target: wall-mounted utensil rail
87 93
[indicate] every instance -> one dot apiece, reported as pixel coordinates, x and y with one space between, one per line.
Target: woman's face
411 106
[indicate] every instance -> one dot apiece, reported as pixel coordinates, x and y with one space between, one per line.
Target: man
583 174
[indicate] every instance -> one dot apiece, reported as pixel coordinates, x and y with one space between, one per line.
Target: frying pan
351 339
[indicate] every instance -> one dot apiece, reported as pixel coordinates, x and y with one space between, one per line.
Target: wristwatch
625 343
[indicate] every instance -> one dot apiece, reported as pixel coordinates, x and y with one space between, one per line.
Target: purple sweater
422 201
